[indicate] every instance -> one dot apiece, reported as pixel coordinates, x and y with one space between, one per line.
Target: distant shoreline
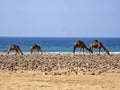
50 37
61 52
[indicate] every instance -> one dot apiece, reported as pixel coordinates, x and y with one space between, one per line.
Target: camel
36 47
16 48
81 45
99 45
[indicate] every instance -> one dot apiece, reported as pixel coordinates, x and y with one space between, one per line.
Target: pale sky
60 18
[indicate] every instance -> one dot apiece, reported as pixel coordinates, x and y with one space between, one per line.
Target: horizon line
60 37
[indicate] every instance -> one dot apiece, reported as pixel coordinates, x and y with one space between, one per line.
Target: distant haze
60 18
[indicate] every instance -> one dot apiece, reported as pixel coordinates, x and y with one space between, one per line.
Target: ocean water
56 44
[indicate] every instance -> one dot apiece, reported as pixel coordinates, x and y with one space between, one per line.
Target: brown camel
99 45
16 48
81 45
36 47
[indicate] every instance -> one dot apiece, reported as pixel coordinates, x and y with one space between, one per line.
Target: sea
57 44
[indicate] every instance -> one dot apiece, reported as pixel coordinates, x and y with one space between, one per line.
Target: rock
57 73
49 63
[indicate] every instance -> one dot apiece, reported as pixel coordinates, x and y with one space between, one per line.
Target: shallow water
56 44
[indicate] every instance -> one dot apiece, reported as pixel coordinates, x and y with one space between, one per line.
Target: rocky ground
61 63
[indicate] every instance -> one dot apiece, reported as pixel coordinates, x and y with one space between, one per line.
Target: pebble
49 63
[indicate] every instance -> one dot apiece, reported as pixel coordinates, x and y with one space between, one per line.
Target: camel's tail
89 49
106 50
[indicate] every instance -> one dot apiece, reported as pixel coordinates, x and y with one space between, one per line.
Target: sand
35 81
59 71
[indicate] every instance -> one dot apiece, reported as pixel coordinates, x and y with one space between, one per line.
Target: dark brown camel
81 45
99 45
36 47
14 47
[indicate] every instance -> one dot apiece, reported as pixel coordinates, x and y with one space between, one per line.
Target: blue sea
56 44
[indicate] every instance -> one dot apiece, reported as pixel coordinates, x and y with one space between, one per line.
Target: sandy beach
59 71
35 81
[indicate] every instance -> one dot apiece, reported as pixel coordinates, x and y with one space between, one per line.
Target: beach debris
58 64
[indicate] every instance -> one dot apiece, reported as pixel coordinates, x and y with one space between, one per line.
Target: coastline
62 52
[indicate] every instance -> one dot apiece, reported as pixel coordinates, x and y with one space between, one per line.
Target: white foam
62 52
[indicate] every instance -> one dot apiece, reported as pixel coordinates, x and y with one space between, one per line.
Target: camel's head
90 51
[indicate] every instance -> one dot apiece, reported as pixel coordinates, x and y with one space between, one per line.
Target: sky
60 18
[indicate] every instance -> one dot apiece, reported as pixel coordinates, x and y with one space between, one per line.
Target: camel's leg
83 52
17 52
8 51
38 50
80 50
74 53
31 51
99 50
41 51
74 50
